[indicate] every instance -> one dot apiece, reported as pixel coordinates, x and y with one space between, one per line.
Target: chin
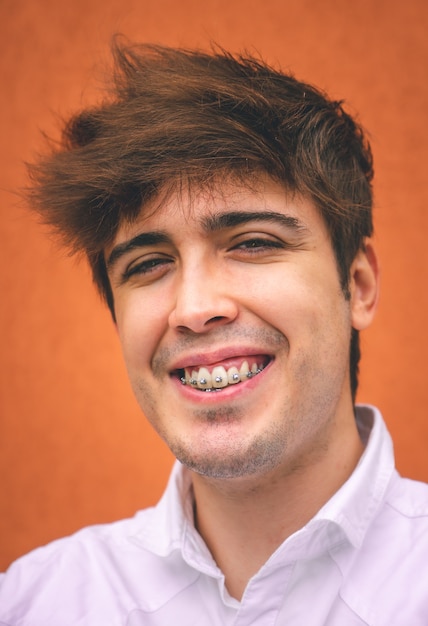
228 461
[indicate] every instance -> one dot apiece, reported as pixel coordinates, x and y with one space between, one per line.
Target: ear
364 287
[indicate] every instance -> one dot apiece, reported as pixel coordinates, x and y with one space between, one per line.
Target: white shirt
363 559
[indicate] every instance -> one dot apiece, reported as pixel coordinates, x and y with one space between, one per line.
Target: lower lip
224 394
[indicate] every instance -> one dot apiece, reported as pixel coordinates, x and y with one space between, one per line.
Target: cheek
307 308
140 326
282 299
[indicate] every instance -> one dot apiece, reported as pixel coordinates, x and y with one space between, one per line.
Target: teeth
244 370
204 379
219 377
194 378
233 376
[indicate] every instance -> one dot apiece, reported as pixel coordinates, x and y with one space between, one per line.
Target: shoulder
64 574
401 524
408 498
401 527
389 570
101 573
97 538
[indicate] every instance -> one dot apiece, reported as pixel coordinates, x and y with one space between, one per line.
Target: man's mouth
216 378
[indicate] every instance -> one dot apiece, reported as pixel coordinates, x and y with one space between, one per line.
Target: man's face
234 328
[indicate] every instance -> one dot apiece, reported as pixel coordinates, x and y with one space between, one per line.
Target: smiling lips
220 376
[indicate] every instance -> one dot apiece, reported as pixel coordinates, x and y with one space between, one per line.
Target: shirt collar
355 504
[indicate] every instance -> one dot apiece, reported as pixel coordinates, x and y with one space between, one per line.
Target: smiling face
234 328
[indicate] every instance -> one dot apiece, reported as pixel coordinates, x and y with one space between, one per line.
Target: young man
225 209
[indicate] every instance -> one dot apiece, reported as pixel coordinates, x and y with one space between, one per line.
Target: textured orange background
75 449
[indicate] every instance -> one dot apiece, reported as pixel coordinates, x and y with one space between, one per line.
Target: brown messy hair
176 115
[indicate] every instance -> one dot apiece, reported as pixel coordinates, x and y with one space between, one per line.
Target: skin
229 274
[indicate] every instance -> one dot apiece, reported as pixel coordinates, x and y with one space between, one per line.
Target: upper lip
216 356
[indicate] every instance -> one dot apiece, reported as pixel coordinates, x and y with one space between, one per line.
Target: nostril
192 314
218 318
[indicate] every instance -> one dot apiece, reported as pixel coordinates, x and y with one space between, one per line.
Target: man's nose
203 300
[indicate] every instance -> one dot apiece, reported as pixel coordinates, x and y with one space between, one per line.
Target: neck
243 521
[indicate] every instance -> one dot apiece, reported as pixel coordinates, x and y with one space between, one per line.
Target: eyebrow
139 241
236 218
210 224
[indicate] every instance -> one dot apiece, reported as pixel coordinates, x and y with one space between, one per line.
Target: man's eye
147 267
258 244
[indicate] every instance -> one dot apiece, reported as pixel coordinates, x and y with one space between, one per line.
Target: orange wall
74 447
